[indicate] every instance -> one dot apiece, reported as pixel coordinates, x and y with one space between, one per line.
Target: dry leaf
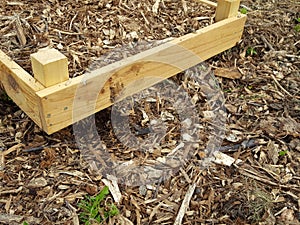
231 73
20 31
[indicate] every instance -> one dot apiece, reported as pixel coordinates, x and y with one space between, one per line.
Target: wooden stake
227 9
49 67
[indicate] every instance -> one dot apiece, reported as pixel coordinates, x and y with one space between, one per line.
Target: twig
143 15
66 32
184 6
246 7
187 178
72 20
20 31
14 191
267 43
6 152
209 3
256 176
185 204
12 149
74 214
279 85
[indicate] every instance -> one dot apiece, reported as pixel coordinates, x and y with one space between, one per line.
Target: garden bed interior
86 31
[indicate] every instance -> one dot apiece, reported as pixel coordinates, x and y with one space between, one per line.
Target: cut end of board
49 67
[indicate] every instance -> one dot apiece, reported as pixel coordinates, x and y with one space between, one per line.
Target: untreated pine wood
227 9
49 66
70 101
20 86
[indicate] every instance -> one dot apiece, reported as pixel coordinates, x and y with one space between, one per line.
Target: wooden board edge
140 56
57 101
20 86
18 72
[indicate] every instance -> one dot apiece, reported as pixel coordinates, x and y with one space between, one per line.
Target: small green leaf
251 51
25 223
96 208
298 20
244 11
282 153
297 27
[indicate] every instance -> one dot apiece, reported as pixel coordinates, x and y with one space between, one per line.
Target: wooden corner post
226 9
49 67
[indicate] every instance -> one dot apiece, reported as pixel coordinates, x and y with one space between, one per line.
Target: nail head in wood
49 66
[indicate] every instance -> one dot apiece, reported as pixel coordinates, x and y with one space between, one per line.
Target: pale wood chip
10 218
223 159
185 204
113 188
20 31
184 6
12 149
13 191
74 213
155 7
15 3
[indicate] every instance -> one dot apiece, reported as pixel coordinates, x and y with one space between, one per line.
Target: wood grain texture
73 100
49 66
20 86
227 9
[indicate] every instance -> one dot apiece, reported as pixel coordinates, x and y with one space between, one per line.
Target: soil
44 177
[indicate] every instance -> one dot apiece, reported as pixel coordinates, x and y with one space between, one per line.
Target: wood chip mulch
84 30
255 179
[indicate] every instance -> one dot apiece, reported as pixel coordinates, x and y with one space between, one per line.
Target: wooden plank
227 9
49 66
20 86
158 63
209 3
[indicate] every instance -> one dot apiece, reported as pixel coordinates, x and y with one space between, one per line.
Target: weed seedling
282 153
251 51
297 27
244 11
97 208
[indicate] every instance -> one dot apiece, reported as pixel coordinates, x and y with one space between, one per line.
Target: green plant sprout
251 51
96 208
244 11
297 27
282 153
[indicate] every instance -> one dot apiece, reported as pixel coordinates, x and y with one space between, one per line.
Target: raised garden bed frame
52 108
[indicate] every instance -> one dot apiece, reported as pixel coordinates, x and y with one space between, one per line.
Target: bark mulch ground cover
43 177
